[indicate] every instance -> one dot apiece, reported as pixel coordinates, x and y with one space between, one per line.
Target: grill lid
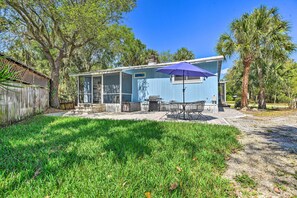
154 98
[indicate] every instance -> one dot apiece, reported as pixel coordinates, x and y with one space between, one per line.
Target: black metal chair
195 108
174 109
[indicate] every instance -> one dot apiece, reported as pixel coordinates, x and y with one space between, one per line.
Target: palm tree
152 56
183 54
275 45
259 38
242 40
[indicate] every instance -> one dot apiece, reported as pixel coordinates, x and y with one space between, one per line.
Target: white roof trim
118 69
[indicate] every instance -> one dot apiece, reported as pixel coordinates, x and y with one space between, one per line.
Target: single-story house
129 88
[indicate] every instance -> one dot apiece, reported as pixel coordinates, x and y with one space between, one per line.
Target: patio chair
174 109
196 108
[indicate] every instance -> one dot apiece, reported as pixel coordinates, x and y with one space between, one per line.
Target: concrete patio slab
56 114
208 117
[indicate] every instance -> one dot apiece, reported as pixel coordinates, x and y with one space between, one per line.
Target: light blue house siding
155 83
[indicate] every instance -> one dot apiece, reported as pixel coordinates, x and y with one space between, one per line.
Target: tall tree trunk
55 75
54 88
261 100
245 83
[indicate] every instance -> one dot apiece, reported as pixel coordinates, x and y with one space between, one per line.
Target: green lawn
268 105
75 157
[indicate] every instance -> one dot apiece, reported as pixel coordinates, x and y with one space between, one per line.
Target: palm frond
225 45
8 76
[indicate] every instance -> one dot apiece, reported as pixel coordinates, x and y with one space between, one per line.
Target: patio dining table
183 106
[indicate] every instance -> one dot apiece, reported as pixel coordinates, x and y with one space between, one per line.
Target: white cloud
224 71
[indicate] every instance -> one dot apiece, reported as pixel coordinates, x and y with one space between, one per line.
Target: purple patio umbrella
185 69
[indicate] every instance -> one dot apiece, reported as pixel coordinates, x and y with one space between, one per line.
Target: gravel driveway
268 156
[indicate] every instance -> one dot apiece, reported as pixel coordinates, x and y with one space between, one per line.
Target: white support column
77 90
102 91
121 90
225 88
218 87
92 85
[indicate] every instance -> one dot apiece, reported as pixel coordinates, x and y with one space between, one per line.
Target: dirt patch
271 113
269 155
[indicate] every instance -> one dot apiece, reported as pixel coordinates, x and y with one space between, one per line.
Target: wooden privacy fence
19 103
29 96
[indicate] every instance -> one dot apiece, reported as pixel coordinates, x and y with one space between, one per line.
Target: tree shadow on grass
52 140
124 137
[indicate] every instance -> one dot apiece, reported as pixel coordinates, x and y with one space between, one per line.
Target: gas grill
154 103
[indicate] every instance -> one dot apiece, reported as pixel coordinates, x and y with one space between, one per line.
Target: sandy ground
268 156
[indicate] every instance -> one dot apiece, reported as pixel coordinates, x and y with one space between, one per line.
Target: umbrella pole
184 108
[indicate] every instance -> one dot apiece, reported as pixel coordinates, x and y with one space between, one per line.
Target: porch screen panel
97 86
111 88
85 92
126 87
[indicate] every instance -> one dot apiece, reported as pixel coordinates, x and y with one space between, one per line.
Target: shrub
229 98
237 103
284 98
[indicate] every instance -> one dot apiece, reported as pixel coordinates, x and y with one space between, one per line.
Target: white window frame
187 81
144 73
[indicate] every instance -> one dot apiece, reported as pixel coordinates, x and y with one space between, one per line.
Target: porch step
81 112
95 108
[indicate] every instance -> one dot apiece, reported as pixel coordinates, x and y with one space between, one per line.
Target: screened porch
107 88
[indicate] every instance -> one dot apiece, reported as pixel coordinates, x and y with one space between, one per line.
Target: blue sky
197 24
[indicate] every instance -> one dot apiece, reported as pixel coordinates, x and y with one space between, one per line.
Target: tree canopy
183 54
261 39
58 28
59 37
180 55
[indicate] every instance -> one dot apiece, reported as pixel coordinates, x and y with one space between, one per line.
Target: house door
97 88
85 89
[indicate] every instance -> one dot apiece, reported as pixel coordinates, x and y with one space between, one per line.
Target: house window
188 79
140 75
